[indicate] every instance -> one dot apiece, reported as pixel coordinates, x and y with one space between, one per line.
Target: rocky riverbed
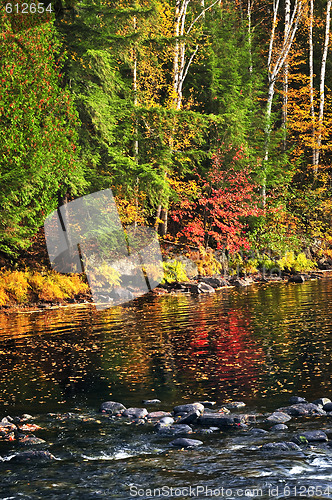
293 429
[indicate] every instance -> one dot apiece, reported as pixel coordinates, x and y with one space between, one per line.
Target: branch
201 14
189 63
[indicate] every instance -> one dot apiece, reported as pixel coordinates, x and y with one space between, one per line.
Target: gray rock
310 436
33 456
242 282
281 446
205 288
174 429
222 420
234 404
278 417
258 431
213 281
321 401
298 278
187 408
111 407
186 443
157 415
189 418
208 404
327 407
296 400
151 401
30 440
166 421
279 427
303 410
135 413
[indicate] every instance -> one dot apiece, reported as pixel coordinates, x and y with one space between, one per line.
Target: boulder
302 410
173 429
189 418
187 408
30 440
234 404
213 281
297 278
33 456
205 288
111 407
279 428
186 443
151 401
293 400
208 404
281 446
327 407
135 413
222 420
166 420
278 417
157 415
258 431
321 401
242 282
310 437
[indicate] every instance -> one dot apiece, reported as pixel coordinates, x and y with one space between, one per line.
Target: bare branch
200 15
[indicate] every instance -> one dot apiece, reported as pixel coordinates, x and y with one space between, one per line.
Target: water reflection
255 344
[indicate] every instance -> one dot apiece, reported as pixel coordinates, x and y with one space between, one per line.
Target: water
259 345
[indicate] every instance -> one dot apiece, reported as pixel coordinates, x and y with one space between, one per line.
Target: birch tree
275 62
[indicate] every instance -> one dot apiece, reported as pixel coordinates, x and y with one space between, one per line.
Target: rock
31 456
30 440
281 446
298 278
151 401
8 430
234 404
157 415
296 400
166 420
327 407
208 404
213 281
111 408
325 263
174 429
186 443
279 427
187 408
205 288
242 282
189 418
220 420
224 410
135 413
310 436
321 401
258 431
302 410
119 293
278 417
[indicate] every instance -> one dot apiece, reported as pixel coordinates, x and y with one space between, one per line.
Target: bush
174 271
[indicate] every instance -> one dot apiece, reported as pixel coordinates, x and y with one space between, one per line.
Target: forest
209 120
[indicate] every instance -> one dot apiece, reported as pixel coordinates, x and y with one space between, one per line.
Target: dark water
259 345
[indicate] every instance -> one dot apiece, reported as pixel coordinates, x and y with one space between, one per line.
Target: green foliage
293 263
174 270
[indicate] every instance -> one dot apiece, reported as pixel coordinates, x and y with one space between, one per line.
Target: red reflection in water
224 353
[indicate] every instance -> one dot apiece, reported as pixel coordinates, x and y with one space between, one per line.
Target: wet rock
303 410
151 401
279 428
166 420
157 415
224 410
33 456
281 446
321 401
258 431
8 430
310 436
30 441
234 404
293 400
189 418
213 281
220 420
205 288
242 282
208 404
135 413
187 408
298 278
174 429
111 407
278 417
186 443
327 407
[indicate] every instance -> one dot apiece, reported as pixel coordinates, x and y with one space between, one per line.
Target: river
259 345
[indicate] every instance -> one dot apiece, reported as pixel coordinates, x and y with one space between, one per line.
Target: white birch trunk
285 82
311 80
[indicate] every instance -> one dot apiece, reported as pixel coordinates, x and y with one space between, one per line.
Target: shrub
174 271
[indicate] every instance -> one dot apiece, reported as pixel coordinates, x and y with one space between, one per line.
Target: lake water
259 345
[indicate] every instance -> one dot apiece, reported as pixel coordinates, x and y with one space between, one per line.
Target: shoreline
198 286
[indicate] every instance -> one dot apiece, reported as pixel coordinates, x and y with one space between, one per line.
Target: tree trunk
285 82
322 85
311 80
